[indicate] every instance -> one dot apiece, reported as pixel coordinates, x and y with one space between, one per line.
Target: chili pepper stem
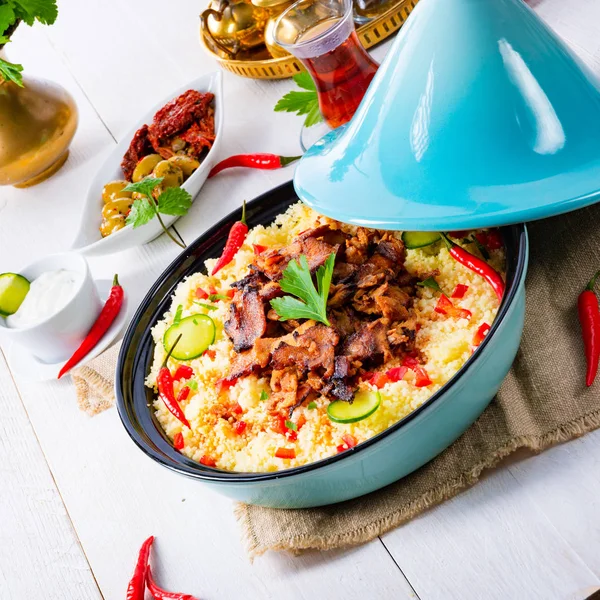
592 284
244 212
449 243
171 351
287 160
116 280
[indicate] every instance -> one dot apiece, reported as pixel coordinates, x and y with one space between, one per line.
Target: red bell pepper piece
207 461
183 372
379 380
259 249
239 427
480 334
459 291
422 378
178 441
445 307
494 240
201 294
396 373
285 453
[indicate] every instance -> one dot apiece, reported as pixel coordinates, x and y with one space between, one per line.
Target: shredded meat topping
370 310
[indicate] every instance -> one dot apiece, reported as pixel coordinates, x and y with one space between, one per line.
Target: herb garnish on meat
297 280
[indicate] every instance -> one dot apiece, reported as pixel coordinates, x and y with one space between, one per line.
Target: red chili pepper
379 380
480 334
160 594
164 381
396 373
137 584
237 235
178 442
239 427
207 461
589 317
459 291
183 372
285 453
258 249
201 294
107 315
445 307
477 265
253 161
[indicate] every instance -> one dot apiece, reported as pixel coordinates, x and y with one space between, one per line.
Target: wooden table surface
76 496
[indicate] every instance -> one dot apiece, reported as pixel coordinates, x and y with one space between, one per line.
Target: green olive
120 206
145 166
112 224
113 190
172 176
186 163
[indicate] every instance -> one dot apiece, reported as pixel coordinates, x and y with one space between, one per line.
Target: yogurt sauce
47 295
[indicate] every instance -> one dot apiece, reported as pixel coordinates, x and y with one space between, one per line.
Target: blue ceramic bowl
387 457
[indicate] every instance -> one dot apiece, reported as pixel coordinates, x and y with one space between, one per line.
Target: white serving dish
89 241
56 338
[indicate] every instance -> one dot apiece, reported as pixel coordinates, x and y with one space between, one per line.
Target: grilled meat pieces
369 308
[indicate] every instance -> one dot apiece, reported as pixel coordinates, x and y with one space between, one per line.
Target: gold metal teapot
275 8
234 26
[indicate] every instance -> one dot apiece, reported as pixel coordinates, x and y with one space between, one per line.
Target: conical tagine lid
479 116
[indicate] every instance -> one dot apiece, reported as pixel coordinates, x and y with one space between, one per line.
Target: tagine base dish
25 364
369 34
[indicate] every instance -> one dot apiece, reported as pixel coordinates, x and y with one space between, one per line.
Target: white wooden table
77 498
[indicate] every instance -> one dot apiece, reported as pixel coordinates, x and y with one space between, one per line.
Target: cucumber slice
365 403
419 239
13 289
197 334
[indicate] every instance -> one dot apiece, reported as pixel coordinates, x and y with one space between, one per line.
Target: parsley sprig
28 11
174 201
297 280
302 103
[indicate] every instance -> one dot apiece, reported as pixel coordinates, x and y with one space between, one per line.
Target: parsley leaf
263 396
174 201
430 282
192 384
297 280
45 11
145 186
141 212
312 405
302 103
7 17
11 72
291 425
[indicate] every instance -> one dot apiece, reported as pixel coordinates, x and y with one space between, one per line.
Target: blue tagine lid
479 116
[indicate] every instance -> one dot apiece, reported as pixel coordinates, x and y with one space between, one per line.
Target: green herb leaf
178 312
141 212
263 396
192 384
313 117
215 297
44 11
145 186
291 425
312 405
174 201
305 81
11 72
204 305
430 282
7 17
297 280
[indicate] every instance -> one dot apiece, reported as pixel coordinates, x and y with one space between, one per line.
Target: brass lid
271 3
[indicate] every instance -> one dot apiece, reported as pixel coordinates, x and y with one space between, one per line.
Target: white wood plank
490 542
40 555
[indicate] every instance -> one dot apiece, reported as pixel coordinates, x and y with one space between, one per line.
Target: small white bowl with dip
60 308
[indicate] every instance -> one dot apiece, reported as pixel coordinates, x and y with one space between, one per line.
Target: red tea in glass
321 34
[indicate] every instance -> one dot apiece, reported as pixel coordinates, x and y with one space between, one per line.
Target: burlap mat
542 401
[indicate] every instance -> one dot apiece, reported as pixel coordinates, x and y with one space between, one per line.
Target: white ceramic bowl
88 240
57 337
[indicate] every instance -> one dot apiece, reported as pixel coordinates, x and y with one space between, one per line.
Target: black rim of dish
134 400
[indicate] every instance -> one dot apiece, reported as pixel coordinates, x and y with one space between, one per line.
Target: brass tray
369 34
